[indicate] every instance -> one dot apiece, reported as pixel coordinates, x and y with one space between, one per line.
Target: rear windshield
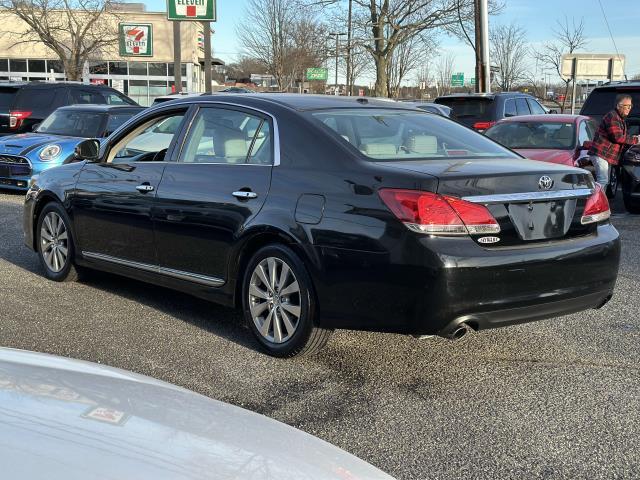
546 135
469 108
603 101
7 97
386 134
74 124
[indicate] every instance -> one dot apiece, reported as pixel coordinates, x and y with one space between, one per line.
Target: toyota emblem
545 183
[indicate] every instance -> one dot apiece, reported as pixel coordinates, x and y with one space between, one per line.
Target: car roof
40 84
547 118
90 107
301 102
489 96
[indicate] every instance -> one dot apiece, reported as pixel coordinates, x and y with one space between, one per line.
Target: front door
208 197
113 201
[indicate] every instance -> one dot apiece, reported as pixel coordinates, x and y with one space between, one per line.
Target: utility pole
478 46
337 35
207 56
177 54
349 86
484 51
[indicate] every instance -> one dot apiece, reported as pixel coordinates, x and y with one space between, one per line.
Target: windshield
74 124
115 120
387 134
545 135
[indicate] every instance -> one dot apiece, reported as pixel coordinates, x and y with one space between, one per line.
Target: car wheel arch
253 242
44 198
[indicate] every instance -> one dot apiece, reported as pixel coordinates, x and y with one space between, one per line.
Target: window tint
34 99
387 134
521 106
472 109
535 107
510 108
150 141
73 123
227 136
7 97
87 97
547 135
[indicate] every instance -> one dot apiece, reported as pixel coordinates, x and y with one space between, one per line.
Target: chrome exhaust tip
458 332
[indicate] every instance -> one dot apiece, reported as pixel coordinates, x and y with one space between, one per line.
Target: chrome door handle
244 195
145 188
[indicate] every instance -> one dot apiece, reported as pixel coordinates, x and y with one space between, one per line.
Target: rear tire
279 303
55 245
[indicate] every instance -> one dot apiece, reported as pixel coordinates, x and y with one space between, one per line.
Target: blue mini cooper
53 141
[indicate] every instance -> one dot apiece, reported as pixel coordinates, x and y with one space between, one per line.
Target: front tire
279 303
55 244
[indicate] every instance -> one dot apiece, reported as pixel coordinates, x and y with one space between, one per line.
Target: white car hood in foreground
73 420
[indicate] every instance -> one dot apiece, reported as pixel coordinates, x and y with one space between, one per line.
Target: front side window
387 134
535 107
73 123
113 98
219 135
583 133
521 106
546 135
148 141
510 108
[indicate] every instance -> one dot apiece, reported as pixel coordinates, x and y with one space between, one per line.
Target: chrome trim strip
276 131
531 196
191 277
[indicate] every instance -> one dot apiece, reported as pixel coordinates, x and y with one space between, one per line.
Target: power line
604 15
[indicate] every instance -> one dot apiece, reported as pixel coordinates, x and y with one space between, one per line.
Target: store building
140 73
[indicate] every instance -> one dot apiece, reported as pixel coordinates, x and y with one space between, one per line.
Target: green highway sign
473 80
317 73
136 39
457 79
200 10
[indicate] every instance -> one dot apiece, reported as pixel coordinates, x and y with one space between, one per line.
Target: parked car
25 104
550 138
481 110
430 107
54 140
630 175
237 90
315 212
69 419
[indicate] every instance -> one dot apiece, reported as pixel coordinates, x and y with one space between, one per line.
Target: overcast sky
537 17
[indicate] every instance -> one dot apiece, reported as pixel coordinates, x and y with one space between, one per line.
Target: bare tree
76 30
243 68
283 38
568 39
408 56
509 54
444 71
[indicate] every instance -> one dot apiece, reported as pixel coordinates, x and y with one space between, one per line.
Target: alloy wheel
274 300
54 242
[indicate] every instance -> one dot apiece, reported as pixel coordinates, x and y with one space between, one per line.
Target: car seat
426 144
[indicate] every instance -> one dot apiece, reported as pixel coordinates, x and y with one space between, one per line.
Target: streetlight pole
349 86
337 35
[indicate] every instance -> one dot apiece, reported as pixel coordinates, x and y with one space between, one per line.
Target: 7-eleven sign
201 10
136 39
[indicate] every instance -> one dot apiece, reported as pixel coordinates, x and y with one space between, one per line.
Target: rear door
210 195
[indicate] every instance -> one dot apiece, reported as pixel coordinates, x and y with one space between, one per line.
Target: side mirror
87 150
553 110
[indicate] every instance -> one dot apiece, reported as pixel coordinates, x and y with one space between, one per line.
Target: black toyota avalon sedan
312 213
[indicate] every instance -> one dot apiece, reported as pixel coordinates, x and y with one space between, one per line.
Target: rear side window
535 107
7 97
521 106
34 99
87 97
601 102
113 98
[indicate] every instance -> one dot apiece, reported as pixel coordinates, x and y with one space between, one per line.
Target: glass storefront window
157 88
138 68
117 68
183 69
158 69
55 65
37 66
4 65
98 68
17 65
139 91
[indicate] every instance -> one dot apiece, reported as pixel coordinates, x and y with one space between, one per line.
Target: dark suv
481 110
602 100
24 104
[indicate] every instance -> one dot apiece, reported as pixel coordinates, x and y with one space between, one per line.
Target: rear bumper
453 280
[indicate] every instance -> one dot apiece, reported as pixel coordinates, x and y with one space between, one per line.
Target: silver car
68 419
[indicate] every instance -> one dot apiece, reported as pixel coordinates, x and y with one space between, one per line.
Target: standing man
610 139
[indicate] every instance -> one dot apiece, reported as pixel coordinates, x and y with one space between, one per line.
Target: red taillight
597 207
483 125
16 117
427 212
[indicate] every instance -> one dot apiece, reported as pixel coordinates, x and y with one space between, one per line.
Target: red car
550 138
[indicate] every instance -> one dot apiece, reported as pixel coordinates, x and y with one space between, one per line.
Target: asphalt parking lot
557 399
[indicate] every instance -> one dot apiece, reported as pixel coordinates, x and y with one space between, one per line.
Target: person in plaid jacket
610 140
